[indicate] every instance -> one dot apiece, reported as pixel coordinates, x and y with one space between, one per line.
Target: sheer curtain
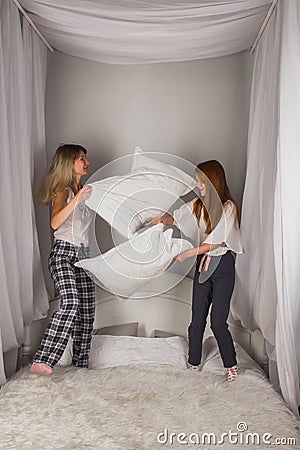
287 208
22 137
267 293
135 32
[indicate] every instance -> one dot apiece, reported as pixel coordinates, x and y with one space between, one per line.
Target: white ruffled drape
135 32
131 32
22 139
267 293
287 208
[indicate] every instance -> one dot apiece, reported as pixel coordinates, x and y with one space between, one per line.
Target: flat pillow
130 201
111 351
66 358
211 359
124 269
162 334
122 329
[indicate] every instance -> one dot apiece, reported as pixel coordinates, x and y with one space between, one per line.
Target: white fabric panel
267 291
287 207
134 32
35 68
36 59
2 372
255 297
23 290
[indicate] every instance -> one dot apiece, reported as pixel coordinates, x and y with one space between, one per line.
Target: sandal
194 368
232 373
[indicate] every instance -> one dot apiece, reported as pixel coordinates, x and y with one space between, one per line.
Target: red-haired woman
216 215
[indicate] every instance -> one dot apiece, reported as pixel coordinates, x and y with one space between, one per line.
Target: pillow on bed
130 201
66 358
111 351
162 334
122 329
126 268
212 362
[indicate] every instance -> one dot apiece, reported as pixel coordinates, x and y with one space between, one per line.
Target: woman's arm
204 248
61 211
167 220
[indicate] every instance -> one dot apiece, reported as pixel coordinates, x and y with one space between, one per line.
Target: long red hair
217 194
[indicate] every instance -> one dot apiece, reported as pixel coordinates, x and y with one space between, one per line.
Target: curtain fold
131 32
287 208
134 32
254 301
23 291
2 371
268 282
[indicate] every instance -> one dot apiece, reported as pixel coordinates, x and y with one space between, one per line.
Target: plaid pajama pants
75 315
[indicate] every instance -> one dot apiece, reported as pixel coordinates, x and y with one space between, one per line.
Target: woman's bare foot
40 369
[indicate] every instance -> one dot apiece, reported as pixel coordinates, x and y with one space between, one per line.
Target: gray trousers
215 291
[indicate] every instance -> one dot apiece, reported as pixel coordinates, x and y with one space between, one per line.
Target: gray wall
197 110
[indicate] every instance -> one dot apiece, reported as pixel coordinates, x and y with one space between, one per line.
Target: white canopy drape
131 32
22 138
268 289
135 32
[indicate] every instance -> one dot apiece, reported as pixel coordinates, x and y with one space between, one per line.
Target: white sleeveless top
75 229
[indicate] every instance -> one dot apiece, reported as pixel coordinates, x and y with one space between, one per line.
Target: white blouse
226 232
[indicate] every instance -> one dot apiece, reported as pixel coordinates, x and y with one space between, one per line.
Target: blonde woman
70 218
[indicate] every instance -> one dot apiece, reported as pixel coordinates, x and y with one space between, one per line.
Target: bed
138 393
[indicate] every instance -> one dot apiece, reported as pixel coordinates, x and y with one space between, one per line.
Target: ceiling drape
151 31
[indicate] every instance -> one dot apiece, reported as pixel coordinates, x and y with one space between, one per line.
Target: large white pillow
126 268
145 161
130 201
111 351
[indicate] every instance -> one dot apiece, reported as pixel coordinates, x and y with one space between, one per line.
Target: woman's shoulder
230 207
61 196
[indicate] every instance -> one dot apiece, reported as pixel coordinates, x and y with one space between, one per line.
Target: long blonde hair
60 172
217 193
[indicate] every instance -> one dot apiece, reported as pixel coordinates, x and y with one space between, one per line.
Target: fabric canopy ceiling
149 31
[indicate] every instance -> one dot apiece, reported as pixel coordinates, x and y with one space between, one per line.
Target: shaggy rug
143 407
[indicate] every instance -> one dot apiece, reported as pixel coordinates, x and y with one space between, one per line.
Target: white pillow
142 161
211 359
66 358
130 201
111 351
126 268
